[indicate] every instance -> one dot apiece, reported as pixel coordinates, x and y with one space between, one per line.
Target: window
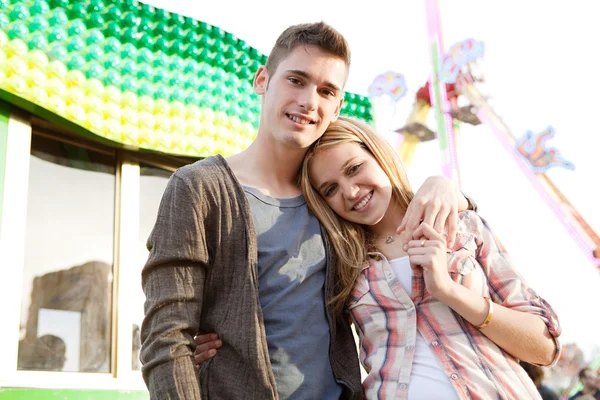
73 246
68 265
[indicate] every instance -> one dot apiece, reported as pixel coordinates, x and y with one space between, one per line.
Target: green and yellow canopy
135 75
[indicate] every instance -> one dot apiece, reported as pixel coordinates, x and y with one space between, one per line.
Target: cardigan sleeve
173 281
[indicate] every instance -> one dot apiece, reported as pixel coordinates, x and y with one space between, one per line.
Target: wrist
447 293
490 314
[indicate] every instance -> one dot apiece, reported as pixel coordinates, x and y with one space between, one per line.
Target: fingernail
219 343
214 336
212 352
405 247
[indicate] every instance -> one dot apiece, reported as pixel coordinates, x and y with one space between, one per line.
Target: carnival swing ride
452 78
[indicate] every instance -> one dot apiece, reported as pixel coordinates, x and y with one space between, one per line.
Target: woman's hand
429 254
522 324
206 347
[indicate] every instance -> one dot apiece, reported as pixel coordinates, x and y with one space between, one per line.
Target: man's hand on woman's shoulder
436 203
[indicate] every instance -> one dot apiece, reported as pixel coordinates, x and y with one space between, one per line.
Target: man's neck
271 169
590 391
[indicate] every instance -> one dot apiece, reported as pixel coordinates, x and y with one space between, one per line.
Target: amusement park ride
451 79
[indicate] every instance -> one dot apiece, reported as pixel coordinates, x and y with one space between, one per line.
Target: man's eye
294 80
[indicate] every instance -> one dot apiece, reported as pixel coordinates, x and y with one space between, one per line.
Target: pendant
389 239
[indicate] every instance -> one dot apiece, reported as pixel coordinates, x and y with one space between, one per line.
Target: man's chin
300 140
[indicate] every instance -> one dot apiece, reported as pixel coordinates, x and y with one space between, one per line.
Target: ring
422 243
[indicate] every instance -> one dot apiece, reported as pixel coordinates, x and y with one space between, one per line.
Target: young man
236 251
591 385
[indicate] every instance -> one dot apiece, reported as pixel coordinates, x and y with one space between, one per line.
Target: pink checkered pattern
387 320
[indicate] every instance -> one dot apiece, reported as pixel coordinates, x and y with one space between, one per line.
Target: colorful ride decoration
533 158
134 74
385 92
439 97
389 83
458 56
533 149
415 130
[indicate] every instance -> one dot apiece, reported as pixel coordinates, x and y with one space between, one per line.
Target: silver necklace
388 239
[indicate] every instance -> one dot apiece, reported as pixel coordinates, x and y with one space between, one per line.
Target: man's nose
308 98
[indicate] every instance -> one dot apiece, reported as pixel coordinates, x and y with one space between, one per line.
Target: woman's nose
351 191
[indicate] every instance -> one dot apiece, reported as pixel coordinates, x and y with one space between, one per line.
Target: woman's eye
354 168
329 191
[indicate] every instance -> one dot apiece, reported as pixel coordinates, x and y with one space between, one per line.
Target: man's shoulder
207 170
200 167
580 393
576 395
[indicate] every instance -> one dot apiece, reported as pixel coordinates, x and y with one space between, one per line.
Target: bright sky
540 69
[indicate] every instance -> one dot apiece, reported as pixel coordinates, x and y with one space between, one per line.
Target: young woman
433 322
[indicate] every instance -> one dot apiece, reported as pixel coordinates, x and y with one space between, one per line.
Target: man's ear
338 109
261 80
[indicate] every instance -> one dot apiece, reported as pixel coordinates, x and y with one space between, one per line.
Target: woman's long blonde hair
351 241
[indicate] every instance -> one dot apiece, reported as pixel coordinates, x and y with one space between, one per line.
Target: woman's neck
384 236
389 223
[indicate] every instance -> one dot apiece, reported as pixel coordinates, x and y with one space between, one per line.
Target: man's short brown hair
318 34
583 372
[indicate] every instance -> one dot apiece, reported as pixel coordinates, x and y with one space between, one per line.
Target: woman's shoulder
469 222
469 230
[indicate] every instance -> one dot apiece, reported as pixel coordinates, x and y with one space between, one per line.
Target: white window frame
12 238
12 249
127 273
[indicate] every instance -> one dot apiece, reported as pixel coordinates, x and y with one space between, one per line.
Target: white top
427 377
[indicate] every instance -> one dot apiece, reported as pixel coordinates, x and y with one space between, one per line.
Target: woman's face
352 183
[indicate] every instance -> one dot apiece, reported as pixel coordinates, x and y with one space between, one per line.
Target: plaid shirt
387 320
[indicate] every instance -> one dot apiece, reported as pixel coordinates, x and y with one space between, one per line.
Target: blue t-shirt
291 282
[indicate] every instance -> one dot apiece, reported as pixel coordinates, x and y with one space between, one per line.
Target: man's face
590 380
302 97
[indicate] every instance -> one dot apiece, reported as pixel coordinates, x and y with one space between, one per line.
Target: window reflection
153 182
66 308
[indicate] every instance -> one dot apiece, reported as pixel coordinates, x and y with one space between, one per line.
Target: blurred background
74 145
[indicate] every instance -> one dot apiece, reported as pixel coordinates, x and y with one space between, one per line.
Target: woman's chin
371 221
